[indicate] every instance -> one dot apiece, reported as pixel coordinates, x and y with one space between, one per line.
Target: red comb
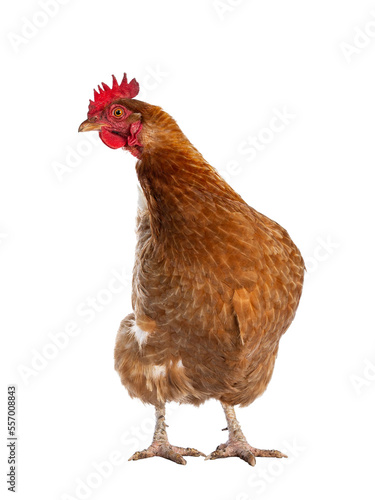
106 94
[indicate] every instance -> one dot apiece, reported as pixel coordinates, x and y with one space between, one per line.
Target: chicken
215 283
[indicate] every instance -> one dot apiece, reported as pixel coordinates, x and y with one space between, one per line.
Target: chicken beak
89 125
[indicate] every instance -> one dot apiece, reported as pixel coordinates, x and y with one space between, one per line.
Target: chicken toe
233 449
237 446
160 446
242 450
166 450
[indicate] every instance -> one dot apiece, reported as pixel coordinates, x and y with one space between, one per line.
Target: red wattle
135 128
111 140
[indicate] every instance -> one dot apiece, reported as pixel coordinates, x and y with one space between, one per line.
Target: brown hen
215 282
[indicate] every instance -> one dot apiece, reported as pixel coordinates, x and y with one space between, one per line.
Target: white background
221 69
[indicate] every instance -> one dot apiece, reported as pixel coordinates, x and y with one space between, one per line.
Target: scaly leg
237 446
160 446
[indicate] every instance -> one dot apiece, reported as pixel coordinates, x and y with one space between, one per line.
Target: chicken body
215 283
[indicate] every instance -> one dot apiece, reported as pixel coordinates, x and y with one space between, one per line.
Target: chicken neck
174 176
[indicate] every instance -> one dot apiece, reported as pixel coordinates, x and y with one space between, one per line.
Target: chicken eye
118 112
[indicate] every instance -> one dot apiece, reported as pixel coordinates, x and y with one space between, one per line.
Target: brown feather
215 282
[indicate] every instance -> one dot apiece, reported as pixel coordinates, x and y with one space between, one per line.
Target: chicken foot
237 446
160 446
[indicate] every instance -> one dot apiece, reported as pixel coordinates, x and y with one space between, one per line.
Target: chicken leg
160 446
237 446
